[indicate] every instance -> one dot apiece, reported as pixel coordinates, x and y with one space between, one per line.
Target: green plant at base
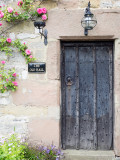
15 148
43 153
11 148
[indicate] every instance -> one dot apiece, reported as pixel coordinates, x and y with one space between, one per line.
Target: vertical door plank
110 143
63 98
86 83
77 101
95 101
70 92
103 98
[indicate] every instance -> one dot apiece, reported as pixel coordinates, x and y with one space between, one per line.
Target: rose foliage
8 76
7 79
26 10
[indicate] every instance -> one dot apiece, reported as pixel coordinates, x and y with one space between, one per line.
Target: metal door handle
69 81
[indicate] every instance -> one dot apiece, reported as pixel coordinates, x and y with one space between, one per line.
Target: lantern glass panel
89 22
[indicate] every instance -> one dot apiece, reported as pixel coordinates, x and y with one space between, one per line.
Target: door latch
69 81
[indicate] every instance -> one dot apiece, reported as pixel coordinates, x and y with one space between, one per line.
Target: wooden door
87 95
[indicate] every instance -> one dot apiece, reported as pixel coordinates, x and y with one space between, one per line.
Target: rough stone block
106 4
116 4
49 4
31 111
40 55
9 122
37 77
68 4
44 131
17 57
26 36
12 36
36 43
24 74
53 60
94 3
37 93
5 98
5 101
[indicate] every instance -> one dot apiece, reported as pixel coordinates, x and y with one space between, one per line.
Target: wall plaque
38 67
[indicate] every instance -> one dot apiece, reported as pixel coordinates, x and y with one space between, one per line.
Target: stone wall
65 4
34 109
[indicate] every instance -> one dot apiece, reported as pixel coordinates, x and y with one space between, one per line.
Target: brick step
89 155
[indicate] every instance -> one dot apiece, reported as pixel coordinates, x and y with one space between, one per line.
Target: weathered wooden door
87 95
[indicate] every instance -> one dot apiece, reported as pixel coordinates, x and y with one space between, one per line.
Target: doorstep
89 155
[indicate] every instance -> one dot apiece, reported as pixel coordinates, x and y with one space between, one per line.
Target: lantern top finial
87 10
89 4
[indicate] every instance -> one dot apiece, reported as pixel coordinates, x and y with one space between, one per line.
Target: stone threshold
89 155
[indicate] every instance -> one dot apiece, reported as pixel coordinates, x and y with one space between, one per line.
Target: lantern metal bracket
44 34
40 25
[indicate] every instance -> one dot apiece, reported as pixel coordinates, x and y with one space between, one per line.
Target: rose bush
6 43
9 14
27 12
7 78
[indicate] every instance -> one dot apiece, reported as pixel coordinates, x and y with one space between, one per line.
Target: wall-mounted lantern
40 25
88 22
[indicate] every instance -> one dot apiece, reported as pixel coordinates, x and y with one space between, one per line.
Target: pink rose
0 6
16 13
5 87
3 5
7 80
1 14
44 10
8 40
15 83
10 9
0 75
39 10
44 17
14 74
0 24
24 43
20 3
31 56
27 51
3 62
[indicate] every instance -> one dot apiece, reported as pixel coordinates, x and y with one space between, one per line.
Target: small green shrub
14 148
43 153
